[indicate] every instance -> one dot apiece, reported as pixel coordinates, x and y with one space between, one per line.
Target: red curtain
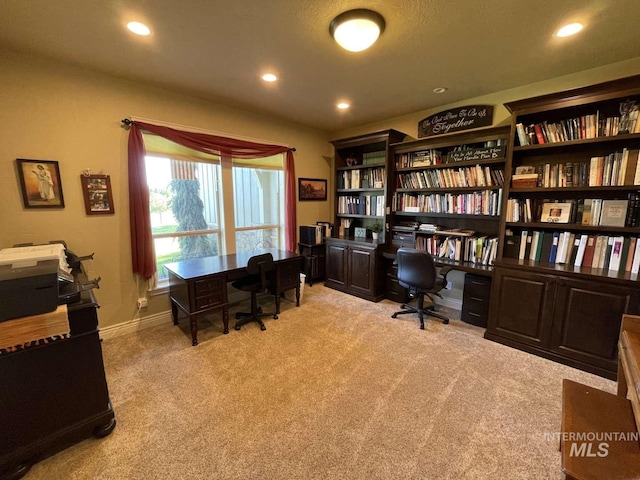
141 239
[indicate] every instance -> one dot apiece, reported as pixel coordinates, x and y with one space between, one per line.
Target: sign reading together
455 120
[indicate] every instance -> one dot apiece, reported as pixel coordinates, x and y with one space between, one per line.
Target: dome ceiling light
356 30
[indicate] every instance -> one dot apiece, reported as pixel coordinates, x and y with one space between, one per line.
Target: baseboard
136 324
162 318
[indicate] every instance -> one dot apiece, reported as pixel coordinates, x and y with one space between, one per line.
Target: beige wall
55 112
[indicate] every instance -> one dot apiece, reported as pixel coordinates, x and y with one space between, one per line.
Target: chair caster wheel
237 327
446 322
421 327
394 316
275 317
263 328
259 309
238 316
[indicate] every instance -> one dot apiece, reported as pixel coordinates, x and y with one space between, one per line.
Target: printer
29 279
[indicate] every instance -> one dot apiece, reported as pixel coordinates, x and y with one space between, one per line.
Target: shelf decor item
40 183
376 228
98 196
556 212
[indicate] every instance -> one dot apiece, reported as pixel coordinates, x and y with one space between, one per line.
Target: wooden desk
199 286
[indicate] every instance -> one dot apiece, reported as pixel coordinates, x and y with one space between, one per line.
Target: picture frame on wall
40 183
98 196
312 189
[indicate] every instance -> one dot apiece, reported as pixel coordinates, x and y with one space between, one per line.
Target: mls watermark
590 444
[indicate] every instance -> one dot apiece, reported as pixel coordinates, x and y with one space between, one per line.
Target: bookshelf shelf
494 218
453 165
545 190
446 189
359 190
573 143
355 215
573 226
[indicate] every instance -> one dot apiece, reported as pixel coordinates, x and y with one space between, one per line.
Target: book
616 254
539 243
574 250
614 213
547 241
523 244
534 245
581 247
554 247
607 253
635 266
586 212
589 250
511 245
630 258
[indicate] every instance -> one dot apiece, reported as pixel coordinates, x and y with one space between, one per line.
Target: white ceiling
217 49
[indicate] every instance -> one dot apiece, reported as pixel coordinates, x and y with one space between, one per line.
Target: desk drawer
477 285
209 292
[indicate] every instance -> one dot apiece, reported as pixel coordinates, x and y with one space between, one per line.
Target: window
189 218
184 206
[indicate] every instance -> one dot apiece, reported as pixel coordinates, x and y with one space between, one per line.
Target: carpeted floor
335 389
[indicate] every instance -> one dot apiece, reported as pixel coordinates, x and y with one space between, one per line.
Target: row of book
486 202
361 205
475 176
587 211
607 252
424 158
476 249
619 168
361 178
578 128
374 158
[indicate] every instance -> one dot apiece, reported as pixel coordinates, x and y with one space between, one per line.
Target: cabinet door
522 306
587 318
337 264
361 270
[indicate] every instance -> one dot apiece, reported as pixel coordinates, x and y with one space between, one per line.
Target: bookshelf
565 271
447 197
361 176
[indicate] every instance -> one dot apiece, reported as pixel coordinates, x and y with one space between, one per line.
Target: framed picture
98 199
312 189
556 212
40 183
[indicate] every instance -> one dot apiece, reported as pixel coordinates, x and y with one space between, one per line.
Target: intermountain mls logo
591 444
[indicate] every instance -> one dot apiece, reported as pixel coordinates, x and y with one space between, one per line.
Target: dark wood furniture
198 286
314 261
355 267
590 411
475 299
459 168
54 393
570 314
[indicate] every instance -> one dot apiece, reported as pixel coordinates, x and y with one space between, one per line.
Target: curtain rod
128 121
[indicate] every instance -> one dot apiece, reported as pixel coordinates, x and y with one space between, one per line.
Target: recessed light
439 90
269 77
343 105
138 28
569 30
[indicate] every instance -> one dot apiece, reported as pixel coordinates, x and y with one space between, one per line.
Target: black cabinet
54 393
571 319
314 260
355 267
475 303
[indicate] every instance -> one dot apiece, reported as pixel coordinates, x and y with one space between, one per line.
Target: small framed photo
98 197
40 183
360 232
312 189
556 213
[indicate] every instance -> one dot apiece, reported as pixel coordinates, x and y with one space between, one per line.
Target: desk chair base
420 309
255 315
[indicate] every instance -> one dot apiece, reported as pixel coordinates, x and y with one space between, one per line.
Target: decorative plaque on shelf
455 120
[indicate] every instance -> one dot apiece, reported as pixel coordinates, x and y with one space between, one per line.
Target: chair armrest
444 271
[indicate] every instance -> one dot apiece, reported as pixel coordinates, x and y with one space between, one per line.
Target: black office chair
417 273
257 281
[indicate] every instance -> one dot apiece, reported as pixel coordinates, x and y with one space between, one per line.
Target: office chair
256 281
417 273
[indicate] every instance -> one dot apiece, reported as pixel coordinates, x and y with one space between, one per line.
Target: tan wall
55 112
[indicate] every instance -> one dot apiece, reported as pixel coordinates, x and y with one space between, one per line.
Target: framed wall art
98 197
40 183
312 189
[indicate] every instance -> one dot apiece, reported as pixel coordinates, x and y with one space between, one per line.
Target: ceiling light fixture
343 105
139 28
569 30
269 77
356 30
439 90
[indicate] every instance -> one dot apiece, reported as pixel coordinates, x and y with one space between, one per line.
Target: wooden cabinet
453 182
475 300
355 267
552 296
570 319
314 260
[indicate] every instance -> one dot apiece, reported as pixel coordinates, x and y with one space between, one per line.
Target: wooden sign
455 120
475 154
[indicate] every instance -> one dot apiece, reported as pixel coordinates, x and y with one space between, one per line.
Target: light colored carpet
335 389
